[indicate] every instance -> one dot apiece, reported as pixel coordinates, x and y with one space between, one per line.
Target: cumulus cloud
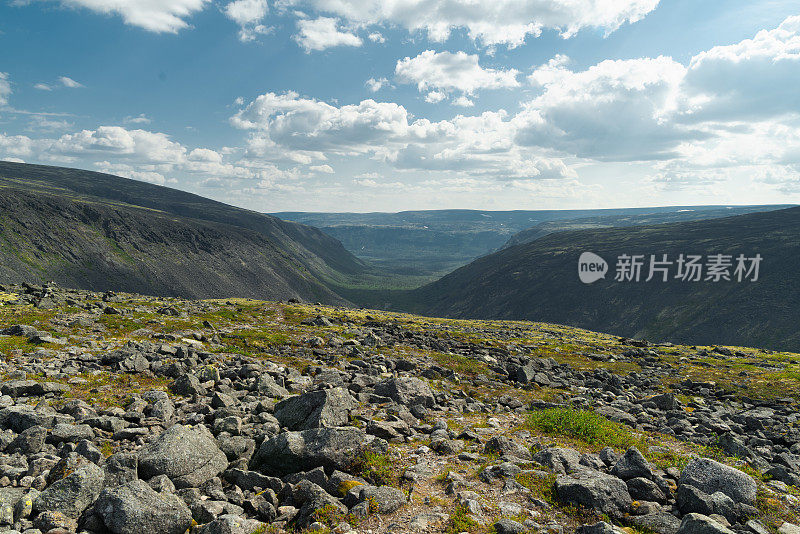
326 169
69 82
5 88
139 119
753 78
386 131
376 37
499 22
42 87
137 144
159 16
616 110
322 33
376 85
249 15
446 71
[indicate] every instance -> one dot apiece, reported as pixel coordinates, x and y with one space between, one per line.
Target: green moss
376 468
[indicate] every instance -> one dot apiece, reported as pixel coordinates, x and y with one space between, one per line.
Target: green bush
582 426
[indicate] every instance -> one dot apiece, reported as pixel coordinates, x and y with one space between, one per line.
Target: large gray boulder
595 490
230 524
710 476
559 459
323 408
187 455
632 465
73 493
658 522
700 524
292 452
406 390
135 508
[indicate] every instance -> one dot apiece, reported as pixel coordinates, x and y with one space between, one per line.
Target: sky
377 105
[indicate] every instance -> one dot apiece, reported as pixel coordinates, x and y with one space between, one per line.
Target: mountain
638 219
539 281
96 231
427 244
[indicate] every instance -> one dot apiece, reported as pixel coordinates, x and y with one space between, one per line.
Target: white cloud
385 131
249 15
616 110
139 144
326 169
42 87
43 123
463 102
754 78
69 82
322 33
160 16
500 21
376 85
434 97
140 119
445 71
376 37
5 88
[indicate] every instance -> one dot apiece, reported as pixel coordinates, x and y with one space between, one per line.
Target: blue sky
313 105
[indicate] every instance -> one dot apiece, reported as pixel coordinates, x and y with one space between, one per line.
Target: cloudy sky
375 105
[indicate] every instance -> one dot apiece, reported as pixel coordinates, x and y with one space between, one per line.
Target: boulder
323 408
73 493
595 490
632 465
658 522
559 459
409 391
385 499
700 524
187 455
503 446
134 508
292 452
230 524
710 476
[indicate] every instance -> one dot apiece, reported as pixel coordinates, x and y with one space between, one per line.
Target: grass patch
460 521
377 468
582 426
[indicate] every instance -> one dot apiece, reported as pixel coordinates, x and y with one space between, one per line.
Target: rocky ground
129 414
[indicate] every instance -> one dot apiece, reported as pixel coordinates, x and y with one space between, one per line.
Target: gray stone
292 452
187 455
700 524
601 492
386 499
509 526
323 408
74 493
230 524
503 446
632 465
658 522
135 507
28 442
710 476
408 391
789 528
559 459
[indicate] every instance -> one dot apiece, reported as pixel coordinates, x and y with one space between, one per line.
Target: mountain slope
617 220
431 243
539 281
97 231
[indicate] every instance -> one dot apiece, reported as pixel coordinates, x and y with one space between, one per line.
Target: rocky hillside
100 232
539 281
129 414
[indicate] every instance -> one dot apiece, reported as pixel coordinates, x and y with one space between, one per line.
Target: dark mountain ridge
539 281
97 231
